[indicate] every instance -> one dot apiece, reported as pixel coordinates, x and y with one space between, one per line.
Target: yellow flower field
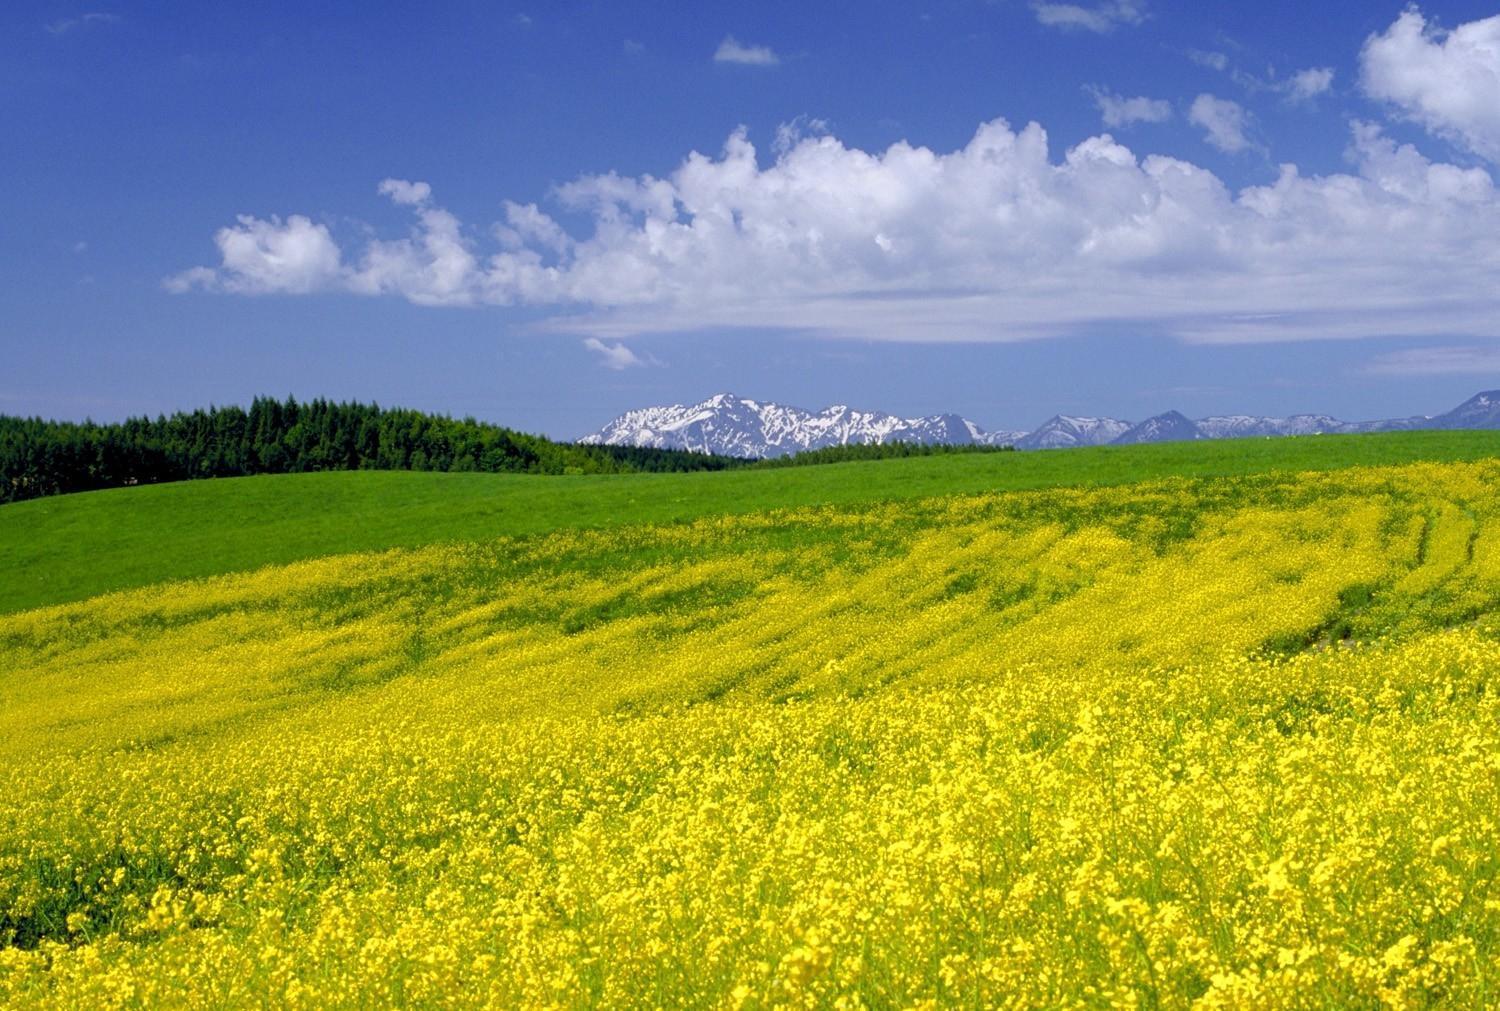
1222 743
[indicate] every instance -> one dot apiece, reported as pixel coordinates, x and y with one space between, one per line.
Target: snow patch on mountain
1241 426
737 426
1063 431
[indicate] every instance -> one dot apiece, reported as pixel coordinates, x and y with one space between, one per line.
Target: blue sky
495 209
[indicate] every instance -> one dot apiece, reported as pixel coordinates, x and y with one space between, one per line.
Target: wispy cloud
1119 111
93 19
731 50
1209 58
1437 361
1225 123
790 134
1300 87
1305 85
615 356
1098 17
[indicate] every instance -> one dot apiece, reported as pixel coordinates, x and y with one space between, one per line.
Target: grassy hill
1229 739
72 547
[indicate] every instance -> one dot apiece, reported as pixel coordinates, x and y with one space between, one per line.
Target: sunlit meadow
1225 741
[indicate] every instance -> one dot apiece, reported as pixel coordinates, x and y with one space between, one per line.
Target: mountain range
737 426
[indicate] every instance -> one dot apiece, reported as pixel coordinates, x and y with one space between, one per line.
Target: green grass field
73 547
1209 742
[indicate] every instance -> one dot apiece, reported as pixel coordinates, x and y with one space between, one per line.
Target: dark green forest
40 457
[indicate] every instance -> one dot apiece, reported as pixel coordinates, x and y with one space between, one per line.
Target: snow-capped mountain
1168 427
1003 437
1061 431
1482 410
736 426
1240 426
1388 425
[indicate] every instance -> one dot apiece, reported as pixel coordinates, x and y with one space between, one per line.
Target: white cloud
1305 85
436 265
1437 361
633 48
1098 17
789 135
258 256
1224 123
1001 239
613 356
733 51
403 192
527 225
1118 111
1448 81
94 19
1301 87
1212 60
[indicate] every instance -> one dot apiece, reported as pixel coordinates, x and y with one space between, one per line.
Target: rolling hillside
1230 740
71 547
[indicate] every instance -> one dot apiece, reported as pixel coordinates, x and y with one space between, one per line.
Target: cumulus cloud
1099 17
1118 111
295 256
732 50
1305 85
1448 81
1000 239
1224 123
1437 361
613 356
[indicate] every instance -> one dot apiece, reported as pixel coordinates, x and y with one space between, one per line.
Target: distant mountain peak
1481 407
738 426
1171 426
1062 431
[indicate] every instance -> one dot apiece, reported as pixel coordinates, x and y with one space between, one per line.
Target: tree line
273 436
856 451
